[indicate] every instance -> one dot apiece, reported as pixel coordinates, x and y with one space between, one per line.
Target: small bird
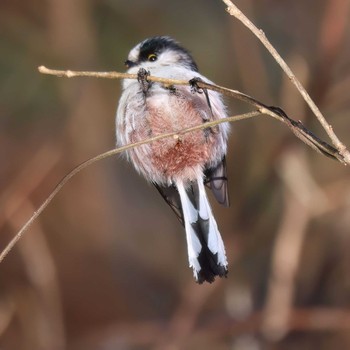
179 167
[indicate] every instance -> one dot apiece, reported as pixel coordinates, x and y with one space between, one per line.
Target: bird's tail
206 251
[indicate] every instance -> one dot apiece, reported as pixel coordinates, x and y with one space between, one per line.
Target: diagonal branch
107 154
233 10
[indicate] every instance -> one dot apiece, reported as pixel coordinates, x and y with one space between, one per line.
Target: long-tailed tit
178 167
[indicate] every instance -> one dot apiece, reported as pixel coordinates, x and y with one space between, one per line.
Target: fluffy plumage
178 167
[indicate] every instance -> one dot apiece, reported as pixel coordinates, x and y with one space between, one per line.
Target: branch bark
298 129
233 10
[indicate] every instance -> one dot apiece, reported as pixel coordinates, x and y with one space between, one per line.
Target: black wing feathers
216 180
172 197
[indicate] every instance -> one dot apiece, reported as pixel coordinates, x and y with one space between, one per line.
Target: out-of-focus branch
184 319
29 179
303 200
41 272
285 263
233 10
147 333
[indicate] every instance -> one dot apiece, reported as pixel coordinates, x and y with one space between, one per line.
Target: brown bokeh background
105 265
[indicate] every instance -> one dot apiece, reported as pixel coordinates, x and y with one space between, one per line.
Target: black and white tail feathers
206 251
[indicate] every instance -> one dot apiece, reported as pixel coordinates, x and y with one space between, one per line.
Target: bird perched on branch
181 166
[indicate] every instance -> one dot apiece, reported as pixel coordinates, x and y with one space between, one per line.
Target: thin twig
233 10
296 127
107 75
107 154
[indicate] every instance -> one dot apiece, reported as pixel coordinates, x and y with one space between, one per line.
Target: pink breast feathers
185 155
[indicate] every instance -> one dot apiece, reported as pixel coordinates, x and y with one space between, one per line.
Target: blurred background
105 266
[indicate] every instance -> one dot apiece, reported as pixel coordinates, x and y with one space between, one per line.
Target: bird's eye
152 57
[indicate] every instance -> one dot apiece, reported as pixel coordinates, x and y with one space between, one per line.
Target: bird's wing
216 180
172 197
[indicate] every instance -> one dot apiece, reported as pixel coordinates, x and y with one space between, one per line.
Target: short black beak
129 64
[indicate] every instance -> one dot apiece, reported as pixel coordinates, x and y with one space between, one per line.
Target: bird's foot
142 76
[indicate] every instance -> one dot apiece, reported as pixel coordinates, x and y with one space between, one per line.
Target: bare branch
107 154
298 129
233 10
107 75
